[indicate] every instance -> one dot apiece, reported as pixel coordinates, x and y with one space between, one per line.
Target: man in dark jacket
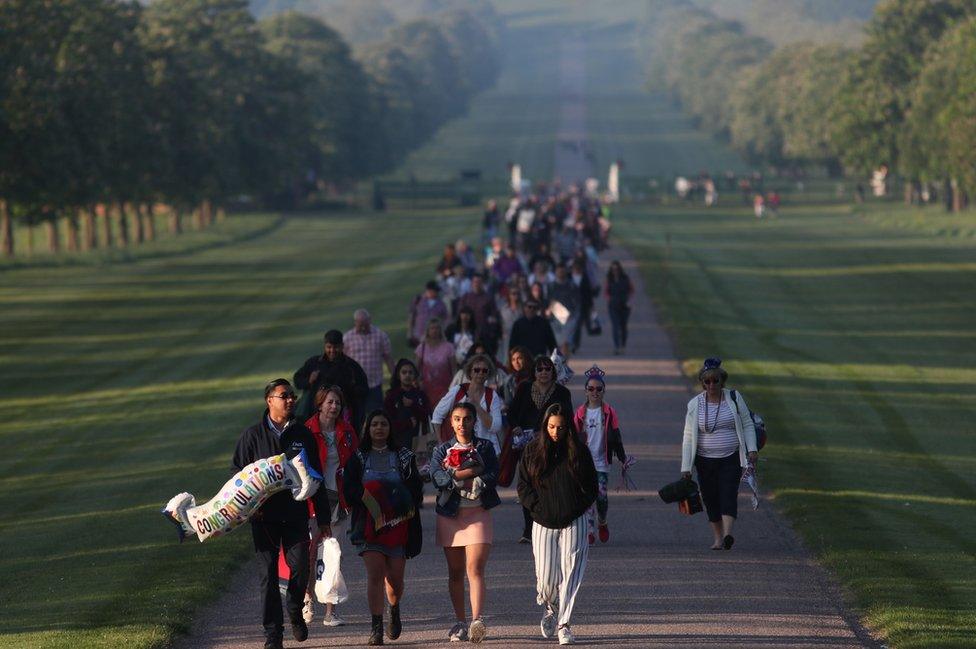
333 367
533 331
282 522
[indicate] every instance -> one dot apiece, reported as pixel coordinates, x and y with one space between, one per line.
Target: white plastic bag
330 586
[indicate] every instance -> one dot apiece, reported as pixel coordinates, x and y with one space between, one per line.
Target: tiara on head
594 373
712 363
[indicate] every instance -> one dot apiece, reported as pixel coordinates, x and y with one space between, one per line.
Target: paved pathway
656 583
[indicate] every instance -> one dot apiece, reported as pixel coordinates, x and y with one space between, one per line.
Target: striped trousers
560 560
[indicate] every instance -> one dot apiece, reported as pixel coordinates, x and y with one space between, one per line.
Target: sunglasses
711 381
479 370
594 388
543 368
286 396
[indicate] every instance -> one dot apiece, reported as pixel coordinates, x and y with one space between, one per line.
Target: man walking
282 522
370 347
333 367
533 331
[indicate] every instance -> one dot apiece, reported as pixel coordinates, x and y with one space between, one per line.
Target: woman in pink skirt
465 472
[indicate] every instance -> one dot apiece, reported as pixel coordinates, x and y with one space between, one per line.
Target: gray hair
480 358
361 313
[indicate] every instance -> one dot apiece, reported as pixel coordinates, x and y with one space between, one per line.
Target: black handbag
678 490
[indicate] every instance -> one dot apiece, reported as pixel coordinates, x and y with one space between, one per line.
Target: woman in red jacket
336 441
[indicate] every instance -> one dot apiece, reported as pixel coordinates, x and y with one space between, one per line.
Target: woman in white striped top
720 443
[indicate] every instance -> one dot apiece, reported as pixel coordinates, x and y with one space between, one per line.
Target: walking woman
405 404
557 483
380 468
719 441
462 333
465 471
435 358
519 371
619 289
337 441
486 401
596 420
532 398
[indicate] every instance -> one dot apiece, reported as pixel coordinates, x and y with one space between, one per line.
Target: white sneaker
458 632
477 630
332 619
548 623
566 636
307 611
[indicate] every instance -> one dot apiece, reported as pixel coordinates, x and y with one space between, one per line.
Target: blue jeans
619 314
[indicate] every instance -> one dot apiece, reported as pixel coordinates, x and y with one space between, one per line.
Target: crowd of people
482 388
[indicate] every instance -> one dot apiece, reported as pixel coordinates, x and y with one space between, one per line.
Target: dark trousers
269 536
619 314
527 523
718 481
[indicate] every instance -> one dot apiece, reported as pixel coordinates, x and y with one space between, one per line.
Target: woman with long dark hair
407 406
557 483
531 400
381 468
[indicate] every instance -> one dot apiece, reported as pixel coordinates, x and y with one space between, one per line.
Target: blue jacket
489 494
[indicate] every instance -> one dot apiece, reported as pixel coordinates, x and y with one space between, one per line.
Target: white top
717 437
490 433
744 428
594 438
331 461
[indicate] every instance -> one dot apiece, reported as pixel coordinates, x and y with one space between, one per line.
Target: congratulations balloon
241 496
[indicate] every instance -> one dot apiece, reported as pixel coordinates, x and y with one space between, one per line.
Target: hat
433 286
532 302
333 337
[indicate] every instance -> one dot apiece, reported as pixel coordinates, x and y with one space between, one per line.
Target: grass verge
125 383
852 334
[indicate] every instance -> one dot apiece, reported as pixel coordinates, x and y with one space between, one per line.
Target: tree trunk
140 226
89 234
30 237
221 215
51 225
106 226
6 231
123 225
198 217
150 221
74 243
175 220
909 191
956 196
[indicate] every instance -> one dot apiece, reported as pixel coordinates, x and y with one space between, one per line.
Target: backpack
757 421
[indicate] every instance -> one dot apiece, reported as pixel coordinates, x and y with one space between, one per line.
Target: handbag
593 325
691 505
423 447
330 586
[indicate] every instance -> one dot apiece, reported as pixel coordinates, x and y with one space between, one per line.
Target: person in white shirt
488 403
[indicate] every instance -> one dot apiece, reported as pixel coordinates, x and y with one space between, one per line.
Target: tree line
111 111
904 99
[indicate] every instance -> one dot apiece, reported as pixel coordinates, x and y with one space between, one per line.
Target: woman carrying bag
465 471
720 442
382 479
558 484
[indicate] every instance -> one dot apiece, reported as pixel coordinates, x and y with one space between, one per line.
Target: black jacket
344 372
523 413
559 498
259 442
535 334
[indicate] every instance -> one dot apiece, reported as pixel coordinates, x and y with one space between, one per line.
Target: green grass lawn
126 382
852 333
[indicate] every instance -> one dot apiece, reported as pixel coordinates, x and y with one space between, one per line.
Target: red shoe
604 533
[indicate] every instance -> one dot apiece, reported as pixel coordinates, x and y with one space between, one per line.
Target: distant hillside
790 21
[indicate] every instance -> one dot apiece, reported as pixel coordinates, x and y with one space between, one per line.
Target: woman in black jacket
385 551
557 483
525 412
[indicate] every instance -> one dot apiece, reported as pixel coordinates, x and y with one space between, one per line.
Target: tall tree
877 89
